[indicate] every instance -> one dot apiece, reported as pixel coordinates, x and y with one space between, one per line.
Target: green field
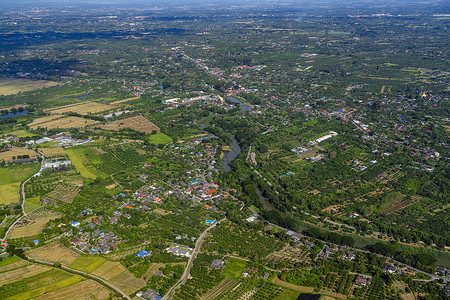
160 139
288 294
9 261
9 193
37 285
234 268
32 203
75 155
17 173
87 263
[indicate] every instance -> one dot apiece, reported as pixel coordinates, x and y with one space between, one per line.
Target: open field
160 139
21 273
33 224
17 173
9 86
32 203
303 289
82 108
88 289
87 263
138 123
13 152
78 164
18 133
127 282
9 193
234 268
63 192
12 263
123 101
68 122
288 294
53 152
54 252
28 287
39 121
108 270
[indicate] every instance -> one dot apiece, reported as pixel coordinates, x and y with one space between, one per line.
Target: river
244 107
230 155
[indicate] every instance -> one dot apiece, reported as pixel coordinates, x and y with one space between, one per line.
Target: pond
244 107
231 155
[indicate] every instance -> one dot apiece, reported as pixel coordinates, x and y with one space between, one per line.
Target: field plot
222 287
39 121
31 286
127 282
21 273
303 289
87 263
66 122
53 152
88 289
32 203
19 133
63 192
123 101
54 252
78 159
9 86
108 270
138 123
10 178
33 224
82 108
9 193
12 263
14 152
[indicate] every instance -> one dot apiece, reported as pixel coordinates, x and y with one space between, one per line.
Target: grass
160 138
288 294
9 86
299 288
32 203
9 193
78 164
9 261
19 133
17 173
87 263
37 285
234 268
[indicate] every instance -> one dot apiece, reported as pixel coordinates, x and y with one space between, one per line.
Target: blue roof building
143 253
210 221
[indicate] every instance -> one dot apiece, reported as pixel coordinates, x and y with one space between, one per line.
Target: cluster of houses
183 251
63 139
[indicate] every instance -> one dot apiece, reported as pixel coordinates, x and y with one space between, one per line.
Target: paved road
89 276
190 262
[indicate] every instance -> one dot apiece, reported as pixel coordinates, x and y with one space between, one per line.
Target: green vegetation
234 268
87 263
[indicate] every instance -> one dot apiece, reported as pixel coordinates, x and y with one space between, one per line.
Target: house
149 295
177 251
76 241
308 244
113 220
409 272
159 274
362 281
36 242
210 221
389 269
349 256
143 254
217 264
75 224
266 275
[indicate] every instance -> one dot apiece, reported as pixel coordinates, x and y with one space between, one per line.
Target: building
149 295
143 254
389 269
75 224
178 252
217 264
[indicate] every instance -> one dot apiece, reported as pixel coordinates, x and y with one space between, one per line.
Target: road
190 262
88 276
22 194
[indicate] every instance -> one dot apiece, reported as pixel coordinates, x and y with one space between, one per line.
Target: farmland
53 151
10 178
14 152
88 289
9 86
64 123
80 108
63 192
33 223
38 284
55 253
78 160
137 123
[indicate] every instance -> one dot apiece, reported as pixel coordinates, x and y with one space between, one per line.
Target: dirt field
109 270
13 152
88 290
68 122
9 86
32 224
138 123
18 274
17 264
82 108
54 252
53 152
